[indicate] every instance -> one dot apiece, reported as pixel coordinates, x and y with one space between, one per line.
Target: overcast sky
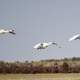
36 21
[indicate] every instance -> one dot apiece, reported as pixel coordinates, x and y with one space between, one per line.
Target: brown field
40 76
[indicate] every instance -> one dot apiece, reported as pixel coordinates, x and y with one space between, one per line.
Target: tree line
44 66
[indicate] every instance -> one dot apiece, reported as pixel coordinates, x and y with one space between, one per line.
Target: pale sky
37 21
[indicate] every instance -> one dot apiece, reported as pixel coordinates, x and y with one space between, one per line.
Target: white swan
44 45
77 36
4 31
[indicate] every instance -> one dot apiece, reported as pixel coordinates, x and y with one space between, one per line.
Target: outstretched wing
75 37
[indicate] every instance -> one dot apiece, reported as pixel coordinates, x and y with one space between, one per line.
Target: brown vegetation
44 66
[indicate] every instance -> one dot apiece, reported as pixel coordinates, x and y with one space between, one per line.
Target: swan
44 45
4 31
75 37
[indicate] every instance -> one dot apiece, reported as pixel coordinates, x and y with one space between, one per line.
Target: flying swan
75 37
4 31
44 45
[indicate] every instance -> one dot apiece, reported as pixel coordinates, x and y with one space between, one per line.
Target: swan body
3 31
44 45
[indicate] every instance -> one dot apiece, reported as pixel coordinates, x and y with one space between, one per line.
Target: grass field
40 76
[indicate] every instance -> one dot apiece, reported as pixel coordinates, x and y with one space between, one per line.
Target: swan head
12 31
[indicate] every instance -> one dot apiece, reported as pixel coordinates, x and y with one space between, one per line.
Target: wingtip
55 43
